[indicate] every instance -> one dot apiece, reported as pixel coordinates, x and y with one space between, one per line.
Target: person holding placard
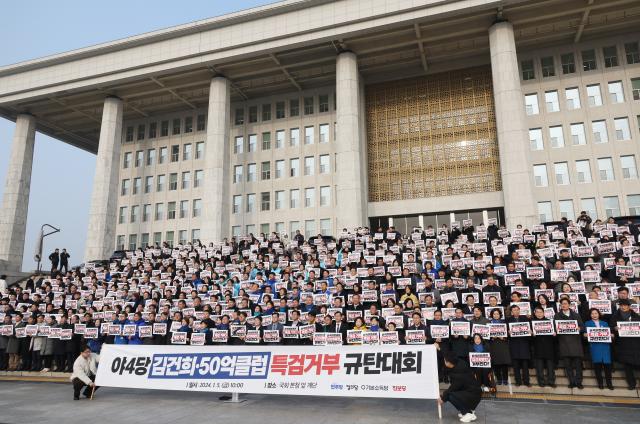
627 348
570 345
499 349
544 352
600 351
482 374
520 348
464 393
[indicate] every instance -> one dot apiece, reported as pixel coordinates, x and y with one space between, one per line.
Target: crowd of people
540 297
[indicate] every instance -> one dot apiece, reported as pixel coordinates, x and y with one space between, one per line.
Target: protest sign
598 334
480 359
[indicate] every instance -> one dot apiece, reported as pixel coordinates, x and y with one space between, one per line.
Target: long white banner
365 371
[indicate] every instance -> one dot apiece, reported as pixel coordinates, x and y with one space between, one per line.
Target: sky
62 175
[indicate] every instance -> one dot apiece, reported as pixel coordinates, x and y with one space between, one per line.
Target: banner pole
510 386
235 398
93 390
439 411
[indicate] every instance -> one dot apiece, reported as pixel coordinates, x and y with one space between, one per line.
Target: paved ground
41 403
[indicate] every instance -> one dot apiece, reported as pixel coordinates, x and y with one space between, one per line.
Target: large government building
316 115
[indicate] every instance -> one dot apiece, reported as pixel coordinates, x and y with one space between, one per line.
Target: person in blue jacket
600 352
138 321
121 321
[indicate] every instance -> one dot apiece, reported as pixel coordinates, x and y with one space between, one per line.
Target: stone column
351 206
15 201
513 141
104 198
215 200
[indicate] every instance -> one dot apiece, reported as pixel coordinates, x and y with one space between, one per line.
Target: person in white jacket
85 368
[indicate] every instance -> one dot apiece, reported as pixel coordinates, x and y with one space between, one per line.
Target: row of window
140 159
573 99
583 171
588 57
174 210
280 201
324 167
251 144
157 239
566 207
599 131
265 111
175 126
310 228
127 187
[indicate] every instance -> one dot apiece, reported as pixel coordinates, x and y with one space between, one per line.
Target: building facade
317 115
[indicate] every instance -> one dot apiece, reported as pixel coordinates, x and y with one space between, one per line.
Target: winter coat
626 348
463 384
570 345
600 352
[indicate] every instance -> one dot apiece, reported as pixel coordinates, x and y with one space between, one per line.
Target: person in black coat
520 348
544 353
55 260
626 348
464 393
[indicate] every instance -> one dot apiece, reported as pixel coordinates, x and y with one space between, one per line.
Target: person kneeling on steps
464 393
84 373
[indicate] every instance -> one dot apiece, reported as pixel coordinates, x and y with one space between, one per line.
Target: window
146 213
535 139
605 169
325 196
600 132
157 238
623 132
566 209
611 206
294 167
531 104
573 98
309 165
251 172
127 160
171 210
279 229
137 185
200 150
280 110
129 134
139 158
562 173
610 56
237 203
633 200
250 229
551 100
239 116
632 53
279 169
159 211
120 243
310 227
252 146
153 129
544 211
266 170
182 236
324 133
160 183
197 208
168 238
163 155
635 88
540 175
195 234
309 197
265 201
589 60
294 137
122 216
201 123
308 105
325 226
144 242
589 206
125 187
188 124
548 68
324 164
577 134
173 181
175 153
186 180
294 107
266 112
568 63
323 103
238 146
133 240
186 152
176 126
264 228
184 209
148 184
279 139
294 198
198 175
628 165
527 70
237 174
251 201
151 157
266 141
583 170
593 95
236 230
164 128
293 227
253 114
556 136
308 135
616 94
279 199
